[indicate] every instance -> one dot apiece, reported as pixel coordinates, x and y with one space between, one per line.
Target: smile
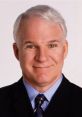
42 66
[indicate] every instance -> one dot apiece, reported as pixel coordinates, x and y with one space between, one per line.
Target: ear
65 48
16 51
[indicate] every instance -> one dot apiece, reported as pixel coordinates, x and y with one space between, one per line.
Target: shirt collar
50 92
32 93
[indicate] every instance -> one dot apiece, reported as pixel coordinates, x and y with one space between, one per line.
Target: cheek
60 58
57 56
26 58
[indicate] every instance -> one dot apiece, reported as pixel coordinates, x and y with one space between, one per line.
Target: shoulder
71 86
74 91
8 91
75 99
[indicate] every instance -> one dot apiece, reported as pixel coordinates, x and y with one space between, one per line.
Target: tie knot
39 100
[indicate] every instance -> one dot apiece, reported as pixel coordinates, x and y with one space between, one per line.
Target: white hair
43 11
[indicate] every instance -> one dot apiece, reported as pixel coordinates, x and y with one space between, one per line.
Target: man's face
41 51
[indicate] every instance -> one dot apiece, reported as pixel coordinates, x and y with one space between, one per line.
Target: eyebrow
27 42
54 41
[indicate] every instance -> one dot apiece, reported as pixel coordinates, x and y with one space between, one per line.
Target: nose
41 55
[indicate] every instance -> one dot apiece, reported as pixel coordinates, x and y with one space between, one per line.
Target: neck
41 88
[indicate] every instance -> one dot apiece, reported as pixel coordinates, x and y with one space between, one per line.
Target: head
40 45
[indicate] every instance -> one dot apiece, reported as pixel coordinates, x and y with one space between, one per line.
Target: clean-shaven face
41 52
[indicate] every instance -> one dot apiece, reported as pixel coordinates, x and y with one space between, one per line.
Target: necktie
38 102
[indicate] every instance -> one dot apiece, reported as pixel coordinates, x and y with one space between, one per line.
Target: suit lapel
22 105
59 104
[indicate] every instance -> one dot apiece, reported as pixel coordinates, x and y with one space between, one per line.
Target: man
41 47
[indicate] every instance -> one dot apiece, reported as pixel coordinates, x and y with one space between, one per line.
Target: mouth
42 66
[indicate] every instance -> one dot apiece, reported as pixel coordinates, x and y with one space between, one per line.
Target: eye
53 45
30 46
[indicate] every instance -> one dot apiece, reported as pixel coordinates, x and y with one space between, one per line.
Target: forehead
39 29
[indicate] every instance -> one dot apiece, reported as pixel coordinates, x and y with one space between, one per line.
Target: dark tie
38 102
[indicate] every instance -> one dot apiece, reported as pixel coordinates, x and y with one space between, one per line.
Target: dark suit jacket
66 102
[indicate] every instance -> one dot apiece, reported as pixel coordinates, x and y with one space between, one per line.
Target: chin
42 83
43 79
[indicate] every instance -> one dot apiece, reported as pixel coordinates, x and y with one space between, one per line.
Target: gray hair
43 11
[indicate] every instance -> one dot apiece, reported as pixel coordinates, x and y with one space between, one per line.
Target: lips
42 66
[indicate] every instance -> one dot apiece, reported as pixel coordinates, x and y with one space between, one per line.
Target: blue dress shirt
32 93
